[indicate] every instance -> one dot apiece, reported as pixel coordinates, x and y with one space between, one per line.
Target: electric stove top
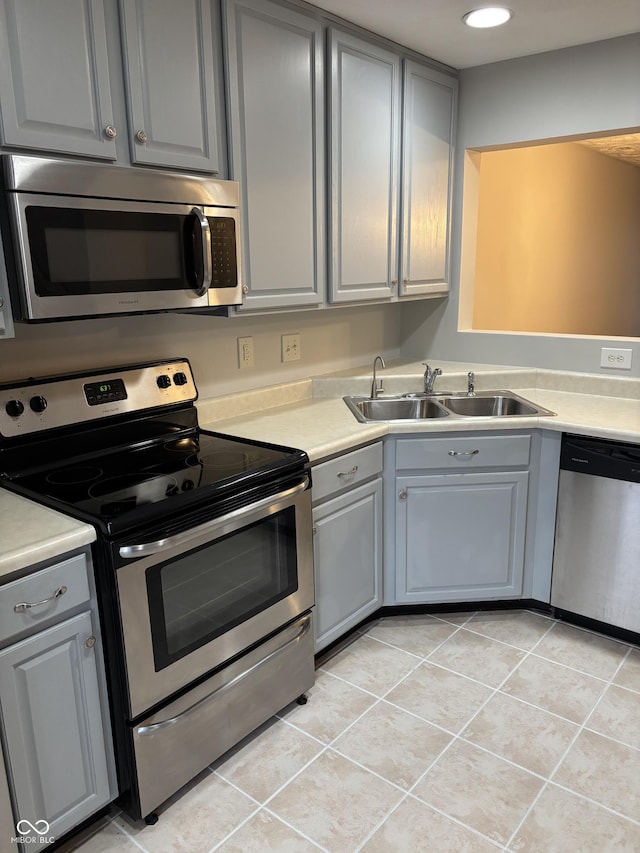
130 467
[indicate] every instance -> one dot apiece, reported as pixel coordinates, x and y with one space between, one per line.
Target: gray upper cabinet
427 165
275 64
54 77
170 83
364 158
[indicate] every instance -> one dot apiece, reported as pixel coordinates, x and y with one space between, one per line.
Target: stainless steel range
203 560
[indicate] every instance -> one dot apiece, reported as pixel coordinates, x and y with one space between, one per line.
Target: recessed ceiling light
489 16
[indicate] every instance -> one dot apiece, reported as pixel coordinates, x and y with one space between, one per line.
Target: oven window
197 597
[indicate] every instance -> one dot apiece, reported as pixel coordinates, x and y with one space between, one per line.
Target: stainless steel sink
498 405
394 408
416 407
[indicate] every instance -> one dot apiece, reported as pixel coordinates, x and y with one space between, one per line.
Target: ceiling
435 29
624 147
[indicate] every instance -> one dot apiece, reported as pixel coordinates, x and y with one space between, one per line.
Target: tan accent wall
558 242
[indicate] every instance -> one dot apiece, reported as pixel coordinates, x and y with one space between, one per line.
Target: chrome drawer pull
351 473
463 452
24 605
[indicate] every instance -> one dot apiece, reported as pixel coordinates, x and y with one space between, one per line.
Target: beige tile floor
459 732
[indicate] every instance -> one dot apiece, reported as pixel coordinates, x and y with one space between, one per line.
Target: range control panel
38 405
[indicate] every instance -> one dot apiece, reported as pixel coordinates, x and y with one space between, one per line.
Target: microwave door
81 257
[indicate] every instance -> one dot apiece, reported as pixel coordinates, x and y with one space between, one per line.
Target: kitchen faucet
471 388
430 377
375 388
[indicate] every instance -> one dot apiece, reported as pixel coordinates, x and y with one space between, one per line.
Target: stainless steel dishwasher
596 564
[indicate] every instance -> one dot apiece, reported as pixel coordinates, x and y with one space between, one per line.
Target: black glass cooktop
122 487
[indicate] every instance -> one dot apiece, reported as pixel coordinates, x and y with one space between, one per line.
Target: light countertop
30 533
312 415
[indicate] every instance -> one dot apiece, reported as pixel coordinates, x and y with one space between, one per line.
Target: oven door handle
171 721
131 552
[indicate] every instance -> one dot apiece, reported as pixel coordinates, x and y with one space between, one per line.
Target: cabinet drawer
479 451
338 475
40 589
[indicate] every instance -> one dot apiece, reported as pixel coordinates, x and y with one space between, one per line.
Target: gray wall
586 90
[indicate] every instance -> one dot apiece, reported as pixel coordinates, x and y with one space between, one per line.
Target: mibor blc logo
32 833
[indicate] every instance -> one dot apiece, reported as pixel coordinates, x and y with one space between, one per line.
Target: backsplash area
329 340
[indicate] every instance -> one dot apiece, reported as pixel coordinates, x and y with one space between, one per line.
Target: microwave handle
201 227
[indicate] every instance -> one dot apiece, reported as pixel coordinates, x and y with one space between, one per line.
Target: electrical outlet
291 347
619 359
245 352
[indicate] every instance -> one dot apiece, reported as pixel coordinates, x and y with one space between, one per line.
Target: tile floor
458 732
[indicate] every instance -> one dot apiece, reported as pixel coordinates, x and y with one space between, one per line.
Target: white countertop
30 533
312 415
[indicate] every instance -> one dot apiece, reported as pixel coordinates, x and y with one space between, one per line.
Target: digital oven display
105 392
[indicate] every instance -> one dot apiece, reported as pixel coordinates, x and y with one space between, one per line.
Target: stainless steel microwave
94 240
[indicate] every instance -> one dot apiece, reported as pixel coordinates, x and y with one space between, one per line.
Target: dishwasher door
596 564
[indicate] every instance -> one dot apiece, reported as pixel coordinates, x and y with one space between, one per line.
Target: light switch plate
615 358
291 347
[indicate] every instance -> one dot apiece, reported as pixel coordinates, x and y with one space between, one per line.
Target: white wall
587 90
331 339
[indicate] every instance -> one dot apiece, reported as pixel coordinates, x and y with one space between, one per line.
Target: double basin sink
418 407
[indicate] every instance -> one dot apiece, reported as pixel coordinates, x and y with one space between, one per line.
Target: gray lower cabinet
55 723
170 83
275 69
460 518
347 519
55 93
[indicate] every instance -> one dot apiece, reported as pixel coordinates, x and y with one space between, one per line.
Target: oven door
81 257
189 603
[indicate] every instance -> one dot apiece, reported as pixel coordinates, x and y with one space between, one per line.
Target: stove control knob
38 403
180 379
164 381
14 408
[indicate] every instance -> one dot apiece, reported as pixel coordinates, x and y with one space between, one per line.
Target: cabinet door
460 537
348 560
54 77
276 112
170 83
53 735
365 96
427 164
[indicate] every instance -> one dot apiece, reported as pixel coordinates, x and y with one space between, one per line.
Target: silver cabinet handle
110 132
141 137
25 605
347 474
130 552
245 289
90 642
463 452
171 721
207 268
403 495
